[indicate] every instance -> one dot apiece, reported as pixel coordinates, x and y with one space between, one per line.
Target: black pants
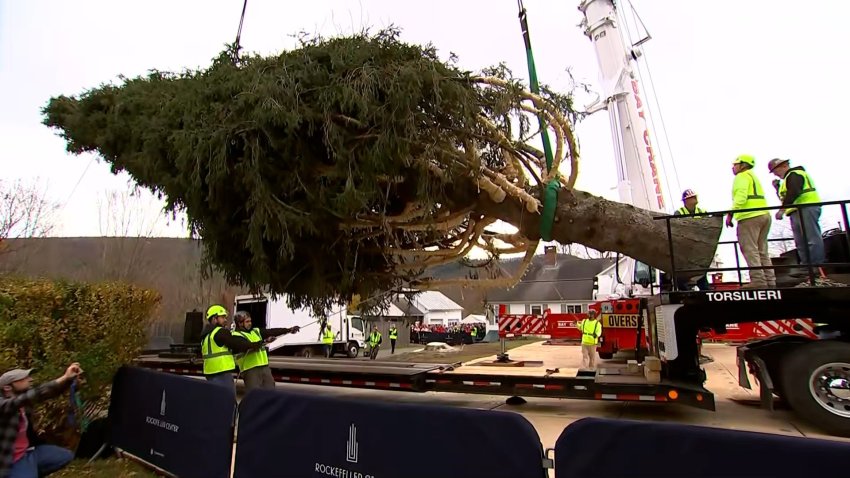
392 346
373 352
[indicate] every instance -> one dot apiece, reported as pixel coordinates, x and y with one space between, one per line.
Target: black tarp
180 424
601 447
285 434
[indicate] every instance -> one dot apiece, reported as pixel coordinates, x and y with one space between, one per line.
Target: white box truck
268 313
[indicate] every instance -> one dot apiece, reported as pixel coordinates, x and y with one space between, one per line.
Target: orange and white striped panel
518 325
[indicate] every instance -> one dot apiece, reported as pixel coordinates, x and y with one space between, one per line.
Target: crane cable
653 97
550 190
237 43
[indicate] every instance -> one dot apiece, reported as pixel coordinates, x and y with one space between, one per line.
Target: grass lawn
469 352
107 468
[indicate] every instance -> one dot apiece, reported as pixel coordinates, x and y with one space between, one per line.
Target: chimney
550 256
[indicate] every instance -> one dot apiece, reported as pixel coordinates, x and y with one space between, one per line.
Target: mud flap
743 377
765 384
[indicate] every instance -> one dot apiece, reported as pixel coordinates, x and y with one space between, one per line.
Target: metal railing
805 260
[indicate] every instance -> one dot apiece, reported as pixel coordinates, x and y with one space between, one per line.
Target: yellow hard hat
215 311
745 159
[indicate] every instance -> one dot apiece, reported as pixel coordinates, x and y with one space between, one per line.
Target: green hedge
47 324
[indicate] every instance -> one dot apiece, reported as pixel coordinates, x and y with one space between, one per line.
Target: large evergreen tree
349 166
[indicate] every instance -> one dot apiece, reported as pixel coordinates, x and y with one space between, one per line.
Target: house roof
407 309
571 278
432 300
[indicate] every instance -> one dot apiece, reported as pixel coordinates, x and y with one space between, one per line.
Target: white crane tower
639 175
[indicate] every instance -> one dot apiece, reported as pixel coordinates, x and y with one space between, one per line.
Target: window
536 310
453 321
573 308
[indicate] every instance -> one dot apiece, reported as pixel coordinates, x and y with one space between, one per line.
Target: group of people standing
794 188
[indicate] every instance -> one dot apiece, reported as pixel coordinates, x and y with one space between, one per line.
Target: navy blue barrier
284 434
602 447
180 424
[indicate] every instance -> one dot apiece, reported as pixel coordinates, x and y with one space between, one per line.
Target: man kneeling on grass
21 452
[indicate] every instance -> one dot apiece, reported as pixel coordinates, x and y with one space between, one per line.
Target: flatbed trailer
811 375
418 377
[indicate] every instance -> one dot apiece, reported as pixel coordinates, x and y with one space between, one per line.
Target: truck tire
606 355
816 384
307 352
352 349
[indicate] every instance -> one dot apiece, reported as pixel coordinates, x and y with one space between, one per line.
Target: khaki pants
588 357
258 377
752 236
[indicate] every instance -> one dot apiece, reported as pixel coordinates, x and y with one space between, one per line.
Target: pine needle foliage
318 171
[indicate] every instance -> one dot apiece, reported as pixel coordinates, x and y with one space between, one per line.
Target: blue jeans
810 218
225 379
41 461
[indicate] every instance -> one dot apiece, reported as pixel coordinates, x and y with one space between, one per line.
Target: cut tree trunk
611 226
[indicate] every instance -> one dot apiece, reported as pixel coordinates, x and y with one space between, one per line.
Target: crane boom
638 177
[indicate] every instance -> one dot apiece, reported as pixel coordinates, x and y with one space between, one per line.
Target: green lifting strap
550 192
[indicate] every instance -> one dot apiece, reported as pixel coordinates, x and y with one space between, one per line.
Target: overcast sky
761 77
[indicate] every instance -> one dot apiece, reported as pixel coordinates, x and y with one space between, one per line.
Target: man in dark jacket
254 365
21 452
795 187
218 346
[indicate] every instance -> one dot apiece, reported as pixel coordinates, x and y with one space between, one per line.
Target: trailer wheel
352 350
307 352
816 383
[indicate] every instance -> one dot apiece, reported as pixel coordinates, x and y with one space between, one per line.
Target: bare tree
126 219
25 211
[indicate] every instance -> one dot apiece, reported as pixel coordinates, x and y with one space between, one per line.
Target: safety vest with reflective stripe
755 195
808 195
590 331
684 211
252 358
217 359
374 338
393 333
328 336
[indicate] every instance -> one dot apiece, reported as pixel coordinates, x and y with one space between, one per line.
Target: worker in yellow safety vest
691 206
328 340
795 187
753 226
218 346
393 337
591 330
254 364
374 342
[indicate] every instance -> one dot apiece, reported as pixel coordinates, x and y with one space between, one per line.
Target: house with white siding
559 282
